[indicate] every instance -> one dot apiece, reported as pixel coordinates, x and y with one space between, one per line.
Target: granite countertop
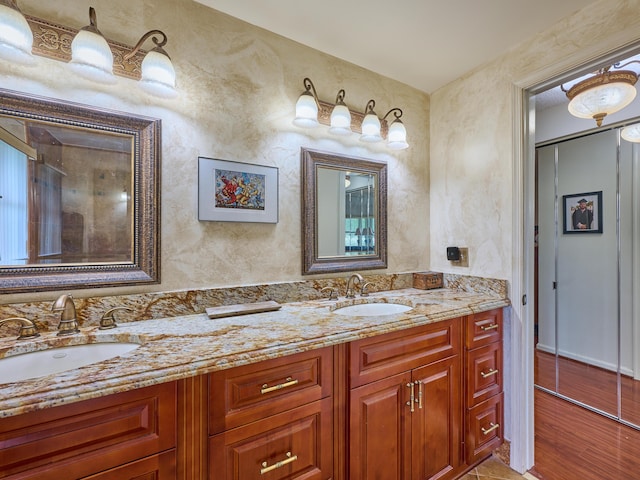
185 346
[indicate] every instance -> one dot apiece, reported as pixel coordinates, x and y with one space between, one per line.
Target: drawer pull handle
290 458
489 373
487 431
493 326
412 396
419 383
287 383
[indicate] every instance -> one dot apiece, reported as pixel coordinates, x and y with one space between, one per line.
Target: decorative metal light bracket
53 41
324 117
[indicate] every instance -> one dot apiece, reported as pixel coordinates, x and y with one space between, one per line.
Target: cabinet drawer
385 355
156 467
251 392
297 444
484 373
484 328
83 438
484 429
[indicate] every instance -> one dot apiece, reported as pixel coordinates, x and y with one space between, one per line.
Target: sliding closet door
630 282
545 245
587 271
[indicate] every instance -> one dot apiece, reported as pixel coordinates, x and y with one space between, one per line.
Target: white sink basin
55 360
372 309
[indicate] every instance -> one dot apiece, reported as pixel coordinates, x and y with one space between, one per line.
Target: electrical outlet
464 258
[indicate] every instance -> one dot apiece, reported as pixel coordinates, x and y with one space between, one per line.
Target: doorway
564 244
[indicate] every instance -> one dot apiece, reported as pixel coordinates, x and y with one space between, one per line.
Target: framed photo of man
582 212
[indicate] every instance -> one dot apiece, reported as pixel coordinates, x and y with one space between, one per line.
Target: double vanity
398 384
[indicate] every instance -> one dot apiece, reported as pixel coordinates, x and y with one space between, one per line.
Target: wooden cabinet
484 397
405 404
92 436
416 404
273 420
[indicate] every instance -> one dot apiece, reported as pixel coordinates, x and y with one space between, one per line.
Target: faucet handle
364 291
28 329
333 294
108 321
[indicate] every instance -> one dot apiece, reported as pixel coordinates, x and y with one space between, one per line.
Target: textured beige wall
238 86
472 134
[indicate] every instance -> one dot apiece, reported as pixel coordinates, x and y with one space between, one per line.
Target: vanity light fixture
602 94
631 133
90 55
310 112
16 39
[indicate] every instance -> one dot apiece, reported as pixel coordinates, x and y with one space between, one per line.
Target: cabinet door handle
489 373
419 383
412 398
287 383
290 458
493 326
487 431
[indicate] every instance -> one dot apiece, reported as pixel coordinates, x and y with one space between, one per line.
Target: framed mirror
79 196
344 213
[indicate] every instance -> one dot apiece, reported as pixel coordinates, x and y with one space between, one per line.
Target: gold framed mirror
79 196
344 213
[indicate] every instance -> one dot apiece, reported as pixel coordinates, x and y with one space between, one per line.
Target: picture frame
582 212
231 191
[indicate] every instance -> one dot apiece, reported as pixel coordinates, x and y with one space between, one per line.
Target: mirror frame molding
145 265
311 263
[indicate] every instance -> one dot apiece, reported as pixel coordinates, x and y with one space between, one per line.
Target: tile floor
494 469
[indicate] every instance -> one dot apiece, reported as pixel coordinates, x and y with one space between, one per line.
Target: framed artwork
236 192
582 212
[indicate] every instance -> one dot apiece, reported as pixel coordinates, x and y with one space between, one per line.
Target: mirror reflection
65 194
344 213
588 308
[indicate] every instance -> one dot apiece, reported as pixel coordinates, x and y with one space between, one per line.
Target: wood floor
573 443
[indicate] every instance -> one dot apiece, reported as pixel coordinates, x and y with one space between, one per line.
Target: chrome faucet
350 285
68 323
28 329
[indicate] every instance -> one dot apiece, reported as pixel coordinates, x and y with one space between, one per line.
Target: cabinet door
380 430
294 445
436 421
156 467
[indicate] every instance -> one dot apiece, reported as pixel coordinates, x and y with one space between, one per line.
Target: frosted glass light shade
16 38
631 133
158 76
397 136
370 128
306 111
340 120
91 57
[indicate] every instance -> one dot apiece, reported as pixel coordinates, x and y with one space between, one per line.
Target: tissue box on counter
427 280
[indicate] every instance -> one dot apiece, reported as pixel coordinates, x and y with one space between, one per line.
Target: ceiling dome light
370 124
307 107
602 94
631 133
16 38
91 56
340 117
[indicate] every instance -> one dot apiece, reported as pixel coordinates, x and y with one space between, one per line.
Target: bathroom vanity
301 392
